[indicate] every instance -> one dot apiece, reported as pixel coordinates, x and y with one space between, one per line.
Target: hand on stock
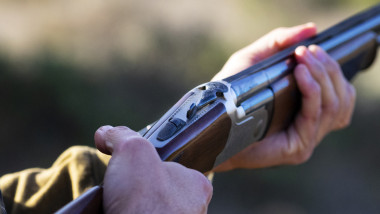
327 100
137 181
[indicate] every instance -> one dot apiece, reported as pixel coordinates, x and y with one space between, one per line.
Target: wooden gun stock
199 143
202 149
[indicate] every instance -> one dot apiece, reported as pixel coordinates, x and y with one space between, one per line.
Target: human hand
137 181
327 100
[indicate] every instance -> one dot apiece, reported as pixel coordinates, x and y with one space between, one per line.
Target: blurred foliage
68 67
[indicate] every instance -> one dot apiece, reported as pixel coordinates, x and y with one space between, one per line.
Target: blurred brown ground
68 67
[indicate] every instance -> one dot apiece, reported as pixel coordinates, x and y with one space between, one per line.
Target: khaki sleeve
47 190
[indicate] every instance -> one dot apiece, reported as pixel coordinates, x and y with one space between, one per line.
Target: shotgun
216 120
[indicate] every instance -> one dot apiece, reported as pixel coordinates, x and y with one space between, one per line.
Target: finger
123 140
319 73
99 138
344 90
108 137
279 39
303 132
332 68
308 120
330 101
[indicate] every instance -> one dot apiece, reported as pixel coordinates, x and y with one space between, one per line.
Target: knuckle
331 107
333 68
320 71
299 152
334 63
236 55
277 31
302 156
346 116
135 145
344 123
315 90
347 122
334 73
275 37
316 117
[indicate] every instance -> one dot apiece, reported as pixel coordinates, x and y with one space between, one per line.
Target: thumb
265 47
279 39
121 139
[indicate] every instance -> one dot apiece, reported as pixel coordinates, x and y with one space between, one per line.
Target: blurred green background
68 67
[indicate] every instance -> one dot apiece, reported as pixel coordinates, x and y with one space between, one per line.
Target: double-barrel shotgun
216 120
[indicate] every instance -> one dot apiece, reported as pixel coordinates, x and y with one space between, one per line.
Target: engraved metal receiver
248 119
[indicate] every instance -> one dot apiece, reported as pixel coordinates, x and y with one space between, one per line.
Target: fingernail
304 52
300 51
109 146
105 128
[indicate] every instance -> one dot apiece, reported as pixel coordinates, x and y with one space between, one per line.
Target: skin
137 181
328 100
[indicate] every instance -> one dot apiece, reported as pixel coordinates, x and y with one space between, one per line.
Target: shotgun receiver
218 119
